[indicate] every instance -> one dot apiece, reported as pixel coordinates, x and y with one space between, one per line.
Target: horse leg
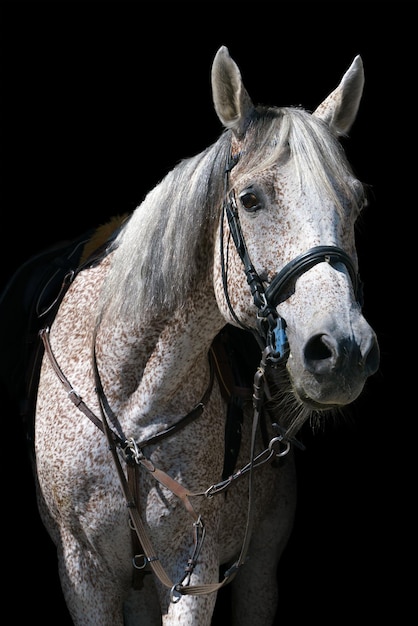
191 611
93 594
254 592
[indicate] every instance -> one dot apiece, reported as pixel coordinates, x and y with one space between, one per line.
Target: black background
99 101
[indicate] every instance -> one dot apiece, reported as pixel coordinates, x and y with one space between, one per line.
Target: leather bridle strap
303 263
266 298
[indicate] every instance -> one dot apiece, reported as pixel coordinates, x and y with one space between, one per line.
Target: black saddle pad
29 293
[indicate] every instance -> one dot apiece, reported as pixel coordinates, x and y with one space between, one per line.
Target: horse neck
163 367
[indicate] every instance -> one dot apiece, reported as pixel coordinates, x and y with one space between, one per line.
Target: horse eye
250 201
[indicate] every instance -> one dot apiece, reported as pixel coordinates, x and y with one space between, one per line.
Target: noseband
270 325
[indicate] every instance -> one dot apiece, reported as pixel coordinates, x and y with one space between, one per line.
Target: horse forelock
158 255
319 161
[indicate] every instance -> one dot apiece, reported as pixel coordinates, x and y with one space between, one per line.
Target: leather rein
271 336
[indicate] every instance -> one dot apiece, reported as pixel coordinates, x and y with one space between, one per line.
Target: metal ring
285 450
280 440
175 594
139 556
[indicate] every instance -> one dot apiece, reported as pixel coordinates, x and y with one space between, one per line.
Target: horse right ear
339 109
232 103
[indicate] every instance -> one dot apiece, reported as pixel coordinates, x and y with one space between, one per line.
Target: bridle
270 331
271 336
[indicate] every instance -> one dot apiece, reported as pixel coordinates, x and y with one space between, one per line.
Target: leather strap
71 392
80 404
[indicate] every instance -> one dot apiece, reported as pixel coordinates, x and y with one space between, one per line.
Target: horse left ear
339 109
232 103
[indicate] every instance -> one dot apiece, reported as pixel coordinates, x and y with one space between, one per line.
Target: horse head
292 201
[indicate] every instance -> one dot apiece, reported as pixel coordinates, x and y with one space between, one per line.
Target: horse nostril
320 353
324 353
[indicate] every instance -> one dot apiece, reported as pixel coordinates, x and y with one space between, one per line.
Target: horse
182 356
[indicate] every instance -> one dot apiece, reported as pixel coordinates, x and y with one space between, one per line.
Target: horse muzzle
328 370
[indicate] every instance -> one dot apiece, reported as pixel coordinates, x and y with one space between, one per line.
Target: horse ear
232 103
340 108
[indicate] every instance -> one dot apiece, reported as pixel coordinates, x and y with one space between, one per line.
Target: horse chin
320 399
314 405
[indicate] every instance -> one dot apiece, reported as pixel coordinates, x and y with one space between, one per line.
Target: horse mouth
330 401
311 404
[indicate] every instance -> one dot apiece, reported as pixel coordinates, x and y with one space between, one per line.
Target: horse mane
158 251
166 243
